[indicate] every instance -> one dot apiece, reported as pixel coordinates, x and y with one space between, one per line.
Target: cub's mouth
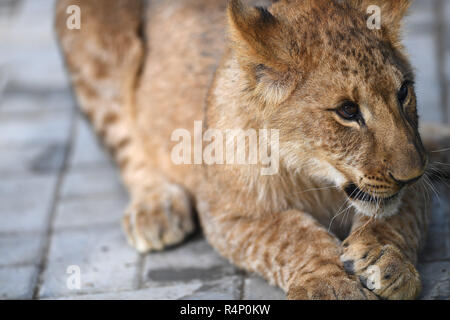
355 193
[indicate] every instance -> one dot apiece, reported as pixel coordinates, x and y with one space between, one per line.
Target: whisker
430 184
318 189
438 174
340 211
441 150
441 163
371 219
346 214
427 193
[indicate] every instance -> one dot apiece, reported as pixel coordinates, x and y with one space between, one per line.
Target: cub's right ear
261 43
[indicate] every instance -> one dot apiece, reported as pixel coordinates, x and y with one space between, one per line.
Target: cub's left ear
262 45
392 13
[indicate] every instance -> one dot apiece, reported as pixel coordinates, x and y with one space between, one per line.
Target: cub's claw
158 218
330 288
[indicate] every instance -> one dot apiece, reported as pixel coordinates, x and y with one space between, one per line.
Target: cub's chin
369 205
383 210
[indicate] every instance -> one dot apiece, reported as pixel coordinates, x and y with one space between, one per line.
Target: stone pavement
61 200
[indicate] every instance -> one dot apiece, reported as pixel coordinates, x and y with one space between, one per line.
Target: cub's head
340 91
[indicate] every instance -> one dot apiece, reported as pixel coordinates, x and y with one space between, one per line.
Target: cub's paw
157 218
384 270
329 288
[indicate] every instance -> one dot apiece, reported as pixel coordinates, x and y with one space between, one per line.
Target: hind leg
104 58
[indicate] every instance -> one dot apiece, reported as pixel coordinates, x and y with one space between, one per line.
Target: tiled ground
61 199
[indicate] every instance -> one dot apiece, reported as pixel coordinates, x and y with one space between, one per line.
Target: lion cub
339 95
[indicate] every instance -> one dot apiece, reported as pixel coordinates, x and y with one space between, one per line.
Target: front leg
382 253
289 249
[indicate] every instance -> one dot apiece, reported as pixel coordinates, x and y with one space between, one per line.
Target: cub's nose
409 167
408 181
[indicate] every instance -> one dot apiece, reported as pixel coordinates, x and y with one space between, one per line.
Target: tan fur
139 77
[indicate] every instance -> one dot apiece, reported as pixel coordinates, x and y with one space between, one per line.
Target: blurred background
61 199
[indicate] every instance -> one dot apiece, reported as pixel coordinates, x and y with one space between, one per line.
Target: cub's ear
392 13
260 42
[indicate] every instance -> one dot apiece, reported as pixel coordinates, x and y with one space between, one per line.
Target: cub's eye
348 111
403 93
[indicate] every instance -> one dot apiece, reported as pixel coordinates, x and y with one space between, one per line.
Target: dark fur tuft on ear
260 42
265 16
251 30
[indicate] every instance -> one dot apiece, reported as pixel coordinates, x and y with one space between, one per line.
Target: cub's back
184 43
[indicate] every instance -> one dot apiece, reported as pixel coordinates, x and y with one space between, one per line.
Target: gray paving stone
87 150
160 293
50 159
427 79
420 14
25 202
30 129
32 159
32 23
421 46
193 260
34 130
91 211
447 55
256 288
20 249
448 90
17 282
92 181
447 15
227 288
19 101
28 47
222 289
8 7
35 67
436 280
106 262
3 82
438 239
